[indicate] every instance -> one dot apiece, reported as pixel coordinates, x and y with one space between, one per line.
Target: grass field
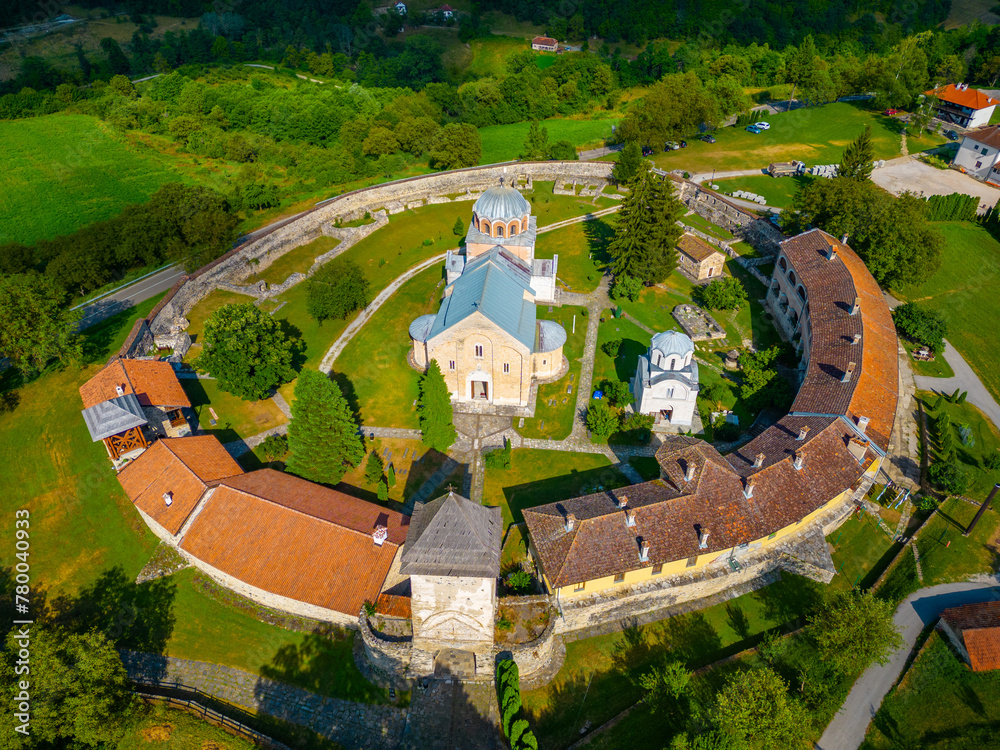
555 420
506 142
966 291
779 192
699 222
299 260
373 365
61 172
162 728
946 555
412 462
984 441
236 418
536 477
861 551
635 341
815 135
582 251
203 310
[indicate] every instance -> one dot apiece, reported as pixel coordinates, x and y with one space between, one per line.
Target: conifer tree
390 476
664 231
627 246
628 164
382 492
856 163
323 436
646 230
434 410
459 229
374 467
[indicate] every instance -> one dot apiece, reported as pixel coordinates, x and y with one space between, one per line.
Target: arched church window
500 230
782 265
479 350
673 363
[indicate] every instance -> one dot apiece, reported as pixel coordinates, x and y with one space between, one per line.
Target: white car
763 125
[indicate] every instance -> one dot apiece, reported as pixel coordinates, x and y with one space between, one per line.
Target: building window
657 569
669 393
506 367
500 231
691 562
619 577
978 164
451 365
773 535
479 350
545 361
580 586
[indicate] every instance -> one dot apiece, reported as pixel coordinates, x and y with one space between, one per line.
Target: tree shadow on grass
294 333
200 403
598 233
789 600
97 340
738 620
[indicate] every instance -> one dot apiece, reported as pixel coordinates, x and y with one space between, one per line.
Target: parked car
763 125
707 138
672 145
684 144
647 151
890 112
951 135
753 129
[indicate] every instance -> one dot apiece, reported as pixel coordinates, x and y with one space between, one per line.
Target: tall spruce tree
661 246
627 246
856 163
646 230
374 467
434 410
536 143
323 437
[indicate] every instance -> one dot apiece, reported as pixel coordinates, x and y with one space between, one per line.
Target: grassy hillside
505 142
61 172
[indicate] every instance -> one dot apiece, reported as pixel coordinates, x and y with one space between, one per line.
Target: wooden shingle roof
453 536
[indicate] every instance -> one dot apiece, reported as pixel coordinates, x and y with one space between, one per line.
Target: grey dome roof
551 336
420 327
501 202
672 342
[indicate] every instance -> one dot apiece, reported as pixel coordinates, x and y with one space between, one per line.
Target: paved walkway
710 176
597 153
847 730
349 724
966 379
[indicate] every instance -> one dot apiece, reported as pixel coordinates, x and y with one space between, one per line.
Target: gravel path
847 730
966 379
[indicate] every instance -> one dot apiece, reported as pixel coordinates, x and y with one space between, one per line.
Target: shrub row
515 726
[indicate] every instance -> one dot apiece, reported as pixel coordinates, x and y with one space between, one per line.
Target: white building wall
453 612
970 153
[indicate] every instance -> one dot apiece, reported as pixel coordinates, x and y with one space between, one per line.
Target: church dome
672 343
501 202
420 327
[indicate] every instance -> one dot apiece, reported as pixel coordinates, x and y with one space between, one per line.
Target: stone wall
536 657
760 233
389 658
453 612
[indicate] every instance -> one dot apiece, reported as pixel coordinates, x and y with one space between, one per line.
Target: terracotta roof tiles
978 625
154 383
967 97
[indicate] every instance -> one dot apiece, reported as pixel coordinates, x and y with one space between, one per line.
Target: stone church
486 338
666 379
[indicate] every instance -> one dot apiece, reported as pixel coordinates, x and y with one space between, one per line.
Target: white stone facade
453 612
666 379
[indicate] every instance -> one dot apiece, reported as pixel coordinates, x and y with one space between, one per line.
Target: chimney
689 472
831 251
799 458
643 551
622 501
803 432
168 498
862 424
857 306
748 487
119 390
702 538
843 238
857 338
379 536
570 520
630 519
758 460
848 372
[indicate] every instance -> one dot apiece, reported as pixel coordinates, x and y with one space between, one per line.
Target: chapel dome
672 343
501 202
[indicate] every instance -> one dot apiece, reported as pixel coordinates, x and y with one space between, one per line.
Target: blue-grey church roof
493 284
672 342
501 202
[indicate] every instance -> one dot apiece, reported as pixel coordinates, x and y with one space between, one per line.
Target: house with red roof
974 631
963 106
544 44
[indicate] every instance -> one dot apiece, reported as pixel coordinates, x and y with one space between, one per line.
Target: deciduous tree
629 162
336 290
323 436
455 146
434 410
855 630
726 293
536 143
35 326
755 710
246 351
919 324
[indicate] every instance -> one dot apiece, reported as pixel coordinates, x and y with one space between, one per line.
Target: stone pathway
965 379
597 302
904 461
351 725
448 714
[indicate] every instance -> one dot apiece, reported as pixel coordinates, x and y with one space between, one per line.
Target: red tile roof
184 467
154 383
969 97
988 135
296 539
978 625
546 40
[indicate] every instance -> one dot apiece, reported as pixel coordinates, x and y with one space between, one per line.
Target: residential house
963 106
974 630
544 44
979 153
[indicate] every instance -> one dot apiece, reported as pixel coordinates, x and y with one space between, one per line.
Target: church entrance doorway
480 390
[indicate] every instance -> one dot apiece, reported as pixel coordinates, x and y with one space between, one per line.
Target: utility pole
982 509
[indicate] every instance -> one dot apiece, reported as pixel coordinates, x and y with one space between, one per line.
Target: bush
602 420
626 287
948 477
722 294
611 348
727 433
639 427
499 458
519 580
992 461
616 392
921 325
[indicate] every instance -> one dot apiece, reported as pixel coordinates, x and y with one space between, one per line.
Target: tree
434 410
665 684
383 491
536 143
390 476
80 693
122 86
116 58
854 630
323 436
726 293
616 392
672 108
646 230
35 327
455 146
246 351
755 710
563 151
459 229
274 447
601 419
628 164
948 476
919 324
858 158
336 290
626 287
374 467
800 65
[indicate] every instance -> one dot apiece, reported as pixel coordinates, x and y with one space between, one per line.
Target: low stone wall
535 659
390 659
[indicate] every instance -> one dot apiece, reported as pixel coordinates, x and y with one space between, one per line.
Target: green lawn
939 368
163 727
61 172
555 421
203 310
779 191
635 342
655 305
861 551
815 135
939 704
599 678
373 367
506 142
236 418
582 251
984 441
550 208
946 555
966 291
700 222
298 260
537 477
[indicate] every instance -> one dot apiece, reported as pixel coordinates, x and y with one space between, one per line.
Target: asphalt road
965 379
847 730
131 295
